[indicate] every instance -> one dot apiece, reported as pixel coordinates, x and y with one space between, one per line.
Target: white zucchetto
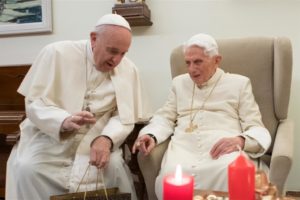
204 41
113 19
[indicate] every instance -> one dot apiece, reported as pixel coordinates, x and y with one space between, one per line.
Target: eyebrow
114 50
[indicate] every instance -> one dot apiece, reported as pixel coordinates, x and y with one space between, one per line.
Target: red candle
179 186
241 179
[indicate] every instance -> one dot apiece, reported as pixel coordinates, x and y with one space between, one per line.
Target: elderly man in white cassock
82 99
208 114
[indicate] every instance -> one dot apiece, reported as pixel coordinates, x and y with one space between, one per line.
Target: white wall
174 21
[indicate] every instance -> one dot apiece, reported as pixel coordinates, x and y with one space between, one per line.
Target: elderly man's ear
218 59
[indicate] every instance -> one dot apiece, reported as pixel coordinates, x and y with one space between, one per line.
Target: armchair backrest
267 61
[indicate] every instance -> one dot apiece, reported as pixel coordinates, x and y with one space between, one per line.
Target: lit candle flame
178 174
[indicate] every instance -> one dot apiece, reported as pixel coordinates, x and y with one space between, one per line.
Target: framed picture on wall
25 17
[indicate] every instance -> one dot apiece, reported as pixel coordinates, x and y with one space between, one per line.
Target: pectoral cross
191 128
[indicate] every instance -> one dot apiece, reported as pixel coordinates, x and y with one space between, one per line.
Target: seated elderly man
208 114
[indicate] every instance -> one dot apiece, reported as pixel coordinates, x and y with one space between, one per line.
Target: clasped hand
144 144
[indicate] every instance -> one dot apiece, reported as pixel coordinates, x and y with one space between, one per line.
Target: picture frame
25 17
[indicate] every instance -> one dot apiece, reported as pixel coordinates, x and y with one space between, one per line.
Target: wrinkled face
109 46
201 66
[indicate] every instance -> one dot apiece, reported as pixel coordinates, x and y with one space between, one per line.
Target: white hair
204 41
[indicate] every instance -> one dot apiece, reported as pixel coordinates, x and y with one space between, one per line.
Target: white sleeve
251 122
47 118
117 131
163 122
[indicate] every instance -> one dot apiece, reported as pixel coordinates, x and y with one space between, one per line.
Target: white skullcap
113 19
207 42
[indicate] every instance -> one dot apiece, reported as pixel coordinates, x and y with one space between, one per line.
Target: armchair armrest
282 154
150 166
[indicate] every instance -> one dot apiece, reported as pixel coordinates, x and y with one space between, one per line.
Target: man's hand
144 144
74 122
100 152
227 145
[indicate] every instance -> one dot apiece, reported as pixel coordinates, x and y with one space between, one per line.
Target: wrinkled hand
74 122
144 144
100 152
227 145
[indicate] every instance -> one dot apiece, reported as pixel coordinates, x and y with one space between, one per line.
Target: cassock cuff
153 136
251 145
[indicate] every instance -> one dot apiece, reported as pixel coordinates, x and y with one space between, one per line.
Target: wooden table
205 193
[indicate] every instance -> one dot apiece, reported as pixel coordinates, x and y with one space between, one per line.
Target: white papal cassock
61 82
229 111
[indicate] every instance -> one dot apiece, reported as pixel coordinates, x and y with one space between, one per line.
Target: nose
117 58
191 67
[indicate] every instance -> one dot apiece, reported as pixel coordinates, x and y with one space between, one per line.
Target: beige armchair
267 61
